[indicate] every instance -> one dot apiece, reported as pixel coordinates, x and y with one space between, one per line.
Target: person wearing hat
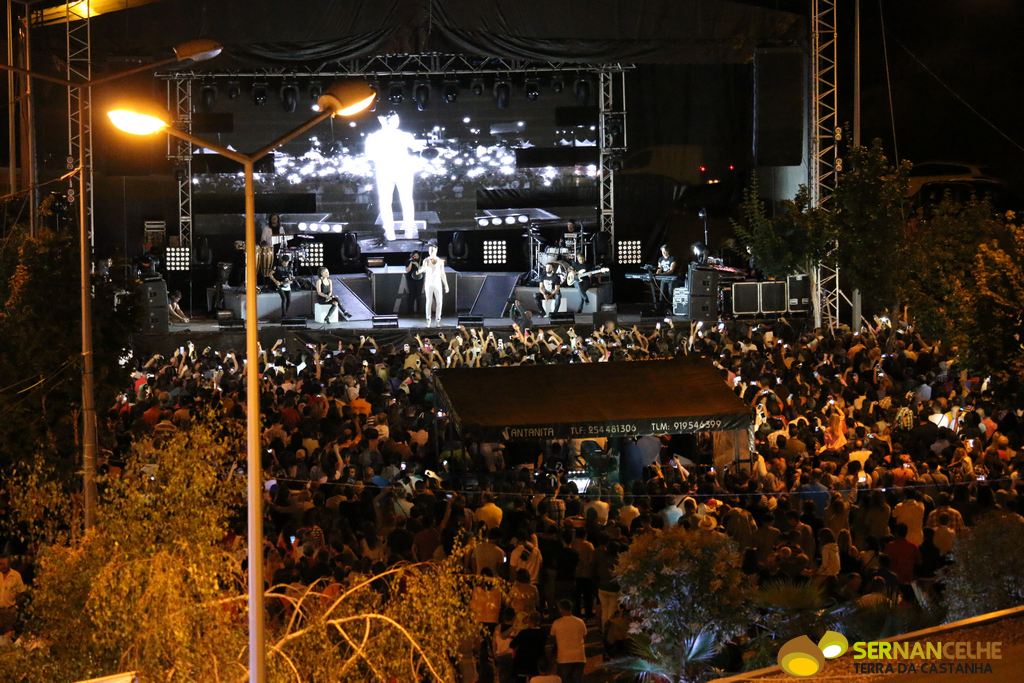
282 276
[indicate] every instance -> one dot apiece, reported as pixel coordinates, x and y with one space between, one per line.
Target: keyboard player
667 265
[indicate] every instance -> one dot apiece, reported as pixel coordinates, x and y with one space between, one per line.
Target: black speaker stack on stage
155 316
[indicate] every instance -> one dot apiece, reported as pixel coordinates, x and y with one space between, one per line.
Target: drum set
572 249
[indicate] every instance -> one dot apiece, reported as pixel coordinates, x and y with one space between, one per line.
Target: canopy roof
318 33
590 399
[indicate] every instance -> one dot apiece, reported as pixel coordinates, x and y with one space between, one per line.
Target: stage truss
826 164
611 81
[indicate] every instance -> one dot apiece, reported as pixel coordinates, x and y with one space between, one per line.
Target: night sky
975 47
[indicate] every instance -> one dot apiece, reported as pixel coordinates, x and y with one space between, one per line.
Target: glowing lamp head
198 50
833 644
347 98
136 122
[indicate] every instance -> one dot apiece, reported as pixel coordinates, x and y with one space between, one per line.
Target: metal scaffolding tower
179 101
79 70
826 164
612 145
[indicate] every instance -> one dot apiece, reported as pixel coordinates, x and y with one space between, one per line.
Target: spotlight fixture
532 89
495 221
208 96
582 90
502 94
259 94
450 92
700 252
557 84
337 227
483 222
495 252
477 86
302 227
523 218
396 92
421 95
314 257
289 97
510 220
234 90
315 90
178 258
629 252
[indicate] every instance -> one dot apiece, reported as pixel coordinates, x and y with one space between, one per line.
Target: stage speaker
798 291
773 297
471 320
779 112
701 308
154 293
155 320
680 301
702 281
385 322
351 253
745 298
562 318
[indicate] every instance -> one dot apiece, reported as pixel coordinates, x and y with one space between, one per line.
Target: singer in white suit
435 284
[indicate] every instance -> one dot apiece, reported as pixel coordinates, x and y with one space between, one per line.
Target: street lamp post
193 50
343 99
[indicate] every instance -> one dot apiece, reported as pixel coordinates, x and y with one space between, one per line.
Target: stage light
421 95
629 252
396 93
502 94
532 89
700 252
582 90
314 257
337 227
523 218
495 252
702 168
482 222
557 84
732 167
208 96
315 90
302 227
451 92
324 227
466 119
289 97
510 220
477 86
234 90
178 258
259 94
495 221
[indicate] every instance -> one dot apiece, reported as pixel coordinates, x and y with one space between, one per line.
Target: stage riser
526 296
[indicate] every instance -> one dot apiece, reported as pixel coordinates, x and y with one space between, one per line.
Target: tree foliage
795 237
40 388
987 573
157 587
683 589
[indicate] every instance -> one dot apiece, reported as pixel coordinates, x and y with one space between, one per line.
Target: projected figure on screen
435 284
389 149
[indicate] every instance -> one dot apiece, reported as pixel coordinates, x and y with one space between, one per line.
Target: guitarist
575 275
550 288
282 276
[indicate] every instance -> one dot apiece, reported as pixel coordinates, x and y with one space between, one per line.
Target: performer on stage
389 148
411 288
577 266
667 265
282 277
435 283
174 308
550 287
325 295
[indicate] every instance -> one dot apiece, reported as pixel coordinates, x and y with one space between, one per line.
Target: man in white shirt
489 513
570 635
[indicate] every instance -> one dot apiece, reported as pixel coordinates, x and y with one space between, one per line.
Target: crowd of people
873 453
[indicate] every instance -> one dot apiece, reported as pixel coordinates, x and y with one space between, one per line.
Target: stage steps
494 294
